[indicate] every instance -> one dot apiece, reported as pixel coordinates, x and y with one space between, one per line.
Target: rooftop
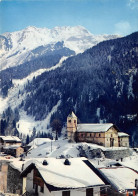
57 174
10 138
72 115
122 134
94 127
122 178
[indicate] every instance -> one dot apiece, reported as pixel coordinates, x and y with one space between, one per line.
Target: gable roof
94 127
10 138
122 134
76 175
39 141
121 178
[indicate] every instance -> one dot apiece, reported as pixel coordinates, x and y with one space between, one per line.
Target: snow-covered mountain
18 47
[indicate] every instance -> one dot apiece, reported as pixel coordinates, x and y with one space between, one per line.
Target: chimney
67 162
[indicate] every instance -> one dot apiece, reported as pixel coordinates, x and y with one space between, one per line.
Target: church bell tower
71 126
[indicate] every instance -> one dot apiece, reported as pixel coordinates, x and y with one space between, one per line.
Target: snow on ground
62 148
3 104
131 162
27 123
38 141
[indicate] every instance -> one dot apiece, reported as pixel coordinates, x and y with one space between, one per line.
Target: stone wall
88 152
14 182
117 154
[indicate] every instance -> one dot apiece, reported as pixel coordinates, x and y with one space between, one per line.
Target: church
106 134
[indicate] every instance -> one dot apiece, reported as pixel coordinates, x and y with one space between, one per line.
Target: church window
69 121
74 121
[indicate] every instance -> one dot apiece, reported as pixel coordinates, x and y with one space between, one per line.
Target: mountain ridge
14 47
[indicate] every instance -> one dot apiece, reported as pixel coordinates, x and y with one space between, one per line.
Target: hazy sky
98 16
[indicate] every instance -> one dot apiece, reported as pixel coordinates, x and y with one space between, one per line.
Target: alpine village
68 112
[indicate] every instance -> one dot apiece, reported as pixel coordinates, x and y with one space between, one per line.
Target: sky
97 16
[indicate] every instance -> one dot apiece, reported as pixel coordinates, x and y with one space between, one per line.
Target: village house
9 140
106 134
123 180
13 150
63 177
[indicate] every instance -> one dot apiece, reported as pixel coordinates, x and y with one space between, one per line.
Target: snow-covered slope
15 97
16 47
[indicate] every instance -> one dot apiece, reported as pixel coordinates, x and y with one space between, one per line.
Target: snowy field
42 148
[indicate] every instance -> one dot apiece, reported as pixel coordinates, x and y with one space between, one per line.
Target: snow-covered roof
39 141
75 175
72 115
12 147
121 178
10 138
122 134
94 127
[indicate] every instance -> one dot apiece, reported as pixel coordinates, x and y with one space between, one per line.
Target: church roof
72 115
94 127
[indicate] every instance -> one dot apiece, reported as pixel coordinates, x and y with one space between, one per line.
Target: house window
81 135
74 121
111 135
41 189
66 193
90 134
103 191
99 135
89 192
69 121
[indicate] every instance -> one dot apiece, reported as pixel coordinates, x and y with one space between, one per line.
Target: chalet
13 150
63 177
123 180
9 140
106 134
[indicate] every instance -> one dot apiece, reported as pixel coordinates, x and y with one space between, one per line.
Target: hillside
99 85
